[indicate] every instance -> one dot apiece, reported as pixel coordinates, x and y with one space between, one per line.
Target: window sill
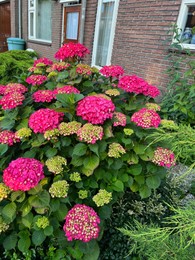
40 42
185 49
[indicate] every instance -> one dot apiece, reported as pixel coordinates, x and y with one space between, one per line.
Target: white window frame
96 35
182 18
32 10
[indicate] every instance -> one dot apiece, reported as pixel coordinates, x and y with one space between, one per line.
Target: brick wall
141 29
44 49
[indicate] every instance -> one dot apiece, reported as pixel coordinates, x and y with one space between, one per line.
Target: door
5 25
71 23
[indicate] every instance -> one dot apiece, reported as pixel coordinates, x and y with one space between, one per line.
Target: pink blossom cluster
12 87
66 89
90 133
146 118
134 84
23 174
12 100
81 223
164 157
45 119
36 79
8 137
119 119
71 50
84 69
95 109
45 61
59 66
43 96
114 71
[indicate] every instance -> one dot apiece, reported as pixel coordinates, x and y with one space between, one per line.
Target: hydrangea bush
73 139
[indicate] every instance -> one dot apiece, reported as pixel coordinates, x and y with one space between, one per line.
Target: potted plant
193 35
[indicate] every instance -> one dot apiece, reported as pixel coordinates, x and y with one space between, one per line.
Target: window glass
104 33
72 26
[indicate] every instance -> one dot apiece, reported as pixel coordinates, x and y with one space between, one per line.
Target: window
186 22
104 32
39 18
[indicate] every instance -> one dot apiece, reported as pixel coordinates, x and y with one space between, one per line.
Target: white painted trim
182 19
96 35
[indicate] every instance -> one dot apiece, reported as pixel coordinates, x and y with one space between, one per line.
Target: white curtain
104 32
72 26
43 20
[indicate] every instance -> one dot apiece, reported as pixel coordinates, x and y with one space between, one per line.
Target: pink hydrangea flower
95 109
81 223
114 71
45 119
43 96
66 89
134 84
12 100
44 61
13 87
36 79
164 157
119 119
71 50
58 66
146 118
8 137
23 174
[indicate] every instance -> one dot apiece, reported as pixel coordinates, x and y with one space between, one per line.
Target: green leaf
10 241
51 152
9 212
40 201
88 83
75 252
38 237
27 220
80 149
3 148
26 208
23 123
153 182
48 231
62 75
30 154
105 212
94 148
77 161
118 186
124 177
24 242
7 123
54 205
135 169
61 212
140 179
19 196
91 162
144 192
139 148
93 254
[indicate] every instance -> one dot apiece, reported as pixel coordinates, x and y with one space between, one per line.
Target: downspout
82 21
19 19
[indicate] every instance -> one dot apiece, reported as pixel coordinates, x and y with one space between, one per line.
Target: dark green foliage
13 63
178 102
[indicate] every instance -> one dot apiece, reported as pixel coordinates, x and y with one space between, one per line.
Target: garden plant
73 139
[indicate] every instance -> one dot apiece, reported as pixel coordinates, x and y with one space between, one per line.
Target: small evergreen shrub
13 64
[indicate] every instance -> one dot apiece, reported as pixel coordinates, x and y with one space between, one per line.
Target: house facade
130 33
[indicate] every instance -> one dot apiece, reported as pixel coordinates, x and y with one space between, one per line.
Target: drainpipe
19 19
82 21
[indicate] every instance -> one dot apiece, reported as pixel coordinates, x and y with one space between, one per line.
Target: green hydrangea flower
112 92
3 225
4 191
128 131
42 222
23 133
59 189
168 124
70 128
75 176
55 164
51 134
116 150
83 194
102 197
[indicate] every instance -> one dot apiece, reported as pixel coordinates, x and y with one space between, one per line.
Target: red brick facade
141 29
